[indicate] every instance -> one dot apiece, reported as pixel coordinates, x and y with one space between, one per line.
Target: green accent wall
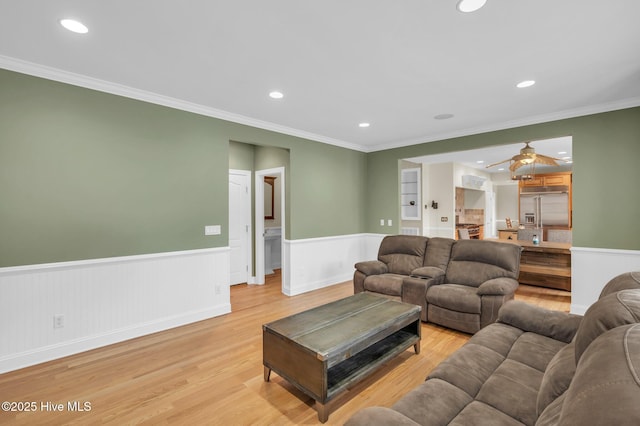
606 198
85 174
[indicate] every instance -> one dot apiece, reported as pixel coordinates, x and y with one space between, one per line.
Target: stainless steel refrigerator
538 210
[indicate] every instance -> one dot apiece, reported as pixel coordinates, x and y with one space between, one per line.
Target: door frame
247 214
259 219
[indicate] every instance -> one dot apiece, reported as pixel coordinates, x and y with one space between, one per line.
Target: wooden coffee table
325 350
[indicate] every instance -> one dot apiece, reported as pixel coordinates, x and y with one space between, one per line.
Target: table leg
323 412
416 347
267 373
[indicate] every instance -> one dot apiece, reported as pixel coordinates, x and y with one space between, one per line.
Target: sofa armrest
372 267
555 324
498 287
379 416
427 272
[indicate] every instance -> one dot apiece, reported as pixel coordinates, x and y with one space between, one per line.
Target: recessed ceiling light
501 169
526 83
276 95
443 116
364 125
562 152
480 162
470 5
75 26
566 158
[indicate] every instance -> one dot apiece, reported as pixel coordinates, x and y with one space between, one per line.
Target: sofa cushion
389 284
611 311
460 298
438 252
477 413
606 387
435 402
557 377
535 351
497 337
501 367
476 261
402 253
512 389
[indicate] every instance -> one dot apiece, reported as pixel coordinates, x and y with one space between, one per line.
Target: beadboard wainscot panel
105 301
315 263
592 268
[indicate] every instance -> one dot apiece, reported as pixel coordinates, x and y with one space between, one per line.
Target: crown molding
55 74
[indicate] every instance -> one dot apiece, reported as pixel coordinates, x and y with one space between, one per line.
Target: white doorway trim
259 221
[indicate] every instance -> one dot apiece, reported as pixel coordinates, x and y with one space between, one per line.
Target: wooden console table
547 264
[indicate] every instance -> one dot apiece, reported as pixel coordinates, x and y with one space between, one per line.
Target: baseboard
63 349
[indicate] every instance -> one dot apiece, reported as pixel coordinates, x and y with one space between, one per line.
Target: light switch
389 222
212 230
381 222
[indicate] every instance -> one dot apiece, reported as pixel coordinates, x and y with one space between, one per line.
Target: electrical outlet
444 219
58 321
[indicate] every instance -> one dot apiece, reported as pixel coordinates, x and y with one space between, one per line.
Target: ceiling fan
527 157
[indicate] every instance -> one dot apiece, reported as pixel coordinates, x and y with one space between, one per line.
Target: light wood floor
211 372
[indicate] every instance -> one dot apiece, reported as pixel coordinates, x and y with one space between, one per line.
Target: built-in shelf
410 201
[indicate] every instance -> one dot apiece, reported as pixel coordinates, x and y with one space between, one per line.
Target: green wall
85 174
606 200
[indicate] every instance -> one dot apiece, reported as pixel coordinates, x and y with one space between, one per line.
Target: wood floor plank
211 373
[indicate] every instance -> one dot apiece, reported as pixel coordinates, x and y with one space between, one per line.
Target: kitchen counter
547 264
547 245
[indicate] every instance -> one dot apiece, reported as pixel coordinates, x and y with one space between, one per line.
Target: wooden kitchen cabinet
548 179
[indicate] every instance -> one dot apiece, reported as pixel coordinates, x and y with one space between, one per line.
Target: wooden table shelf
546 264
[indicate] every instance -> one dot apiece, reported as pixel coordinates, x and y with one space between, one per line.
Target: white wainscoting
105 301
592 268
314 263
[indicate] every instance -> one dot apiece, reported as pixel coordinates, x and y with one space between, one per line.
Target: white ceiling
394 64
481 158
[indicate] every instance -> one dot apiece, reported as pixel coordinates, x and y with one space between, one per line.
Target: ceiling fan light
467 6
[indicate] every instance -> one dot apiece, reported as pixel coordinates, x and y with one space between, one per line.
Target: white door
240 224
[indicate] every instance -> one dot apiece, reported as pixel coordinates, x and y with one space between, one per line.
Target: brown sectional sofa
536 367
459 284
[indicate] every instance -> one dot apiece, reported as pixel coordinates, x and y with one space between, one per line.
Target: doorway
278 212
